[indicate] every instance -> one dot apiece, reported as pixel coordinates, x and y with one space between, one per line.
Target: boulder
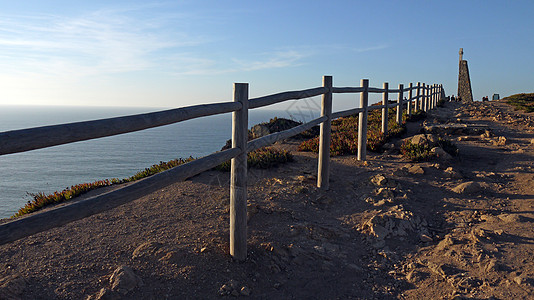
469 187
440 153
424 139
123 280
260 130
379 180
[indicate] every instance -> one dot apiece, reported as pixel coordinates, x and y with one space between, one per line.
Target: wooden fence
425 98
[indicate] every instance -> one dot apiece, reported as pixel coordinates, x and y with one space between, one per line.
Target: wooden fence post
238 176
362 120
417 97
423 100
431 97
409 104
400 104
434 95
323 176
385 110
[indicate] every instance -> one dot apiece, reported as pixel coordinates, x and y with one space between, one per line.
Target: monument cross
461 52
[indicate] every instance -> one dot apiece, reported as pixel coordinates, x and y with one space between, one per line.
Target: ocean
55 168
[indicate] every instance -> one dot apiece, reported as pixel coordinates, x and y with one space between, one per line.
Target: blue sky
178 53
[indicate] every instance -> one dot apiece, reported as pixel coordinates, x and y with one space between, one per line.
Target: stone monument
464 82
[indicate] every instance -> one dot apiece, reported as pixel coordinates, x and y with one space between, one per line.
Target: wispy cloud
104 41
371 48
276 59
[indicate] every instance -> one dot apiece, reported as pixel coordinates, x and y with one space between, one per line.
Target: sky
179 53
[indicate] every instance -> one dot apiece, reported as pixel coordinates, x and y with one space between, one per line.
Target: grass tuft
524 102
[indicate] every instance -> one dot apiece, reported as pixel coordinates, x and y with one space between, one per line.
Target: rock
519 280
425 238
424 139
489 218
416 169
445 243
123 280
148 250
491 266
245 291
440 153
451 173
443 269
379 180
385 193
233 288
12 286
259 130
172 257
500 141
415 276
105 294
466 138
510 218
487 134
469 187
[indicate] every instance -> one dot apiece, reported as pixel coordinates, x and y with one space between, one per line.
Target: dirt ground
450 228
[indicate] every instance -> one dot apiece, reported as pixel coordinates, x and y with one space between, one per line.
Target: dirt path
387 229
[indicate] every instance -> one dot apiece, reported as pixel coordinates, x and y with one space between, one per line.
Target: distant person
452 98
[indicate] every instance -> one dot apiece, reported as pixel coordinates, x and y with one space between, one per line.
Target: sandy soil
457 228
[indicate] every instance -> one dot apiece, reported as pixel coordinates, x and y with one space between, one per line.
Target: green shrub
344 138
263 158
416 152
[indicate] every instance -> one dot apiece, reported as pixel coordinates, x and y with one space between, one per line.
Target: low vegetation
344 139
423 152
524 102
416 152
41 200
262 158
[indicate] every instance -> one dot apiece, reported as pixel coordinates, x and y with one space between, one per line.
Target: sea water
56 168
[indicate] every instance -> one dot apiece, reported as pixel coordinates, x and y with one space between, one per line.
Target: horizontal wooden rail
277 136
346 113
375 107
281 97
375 90
41 137
39 222
341 90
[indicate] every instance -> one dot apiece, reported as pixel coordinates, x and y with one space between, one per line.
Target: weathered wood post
418 97
432 96
400 104
431 99
238 176
409 104
423 103
323 176
385 110
362 120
